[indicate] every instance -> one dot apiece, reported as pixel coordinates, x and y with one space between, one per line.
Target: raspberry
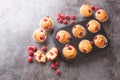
73 17
42 37
72 21
89 11
43 48
49 59
84 51
87 25
34 48
41 30
80 34
65 21
57 72
62 16
96 29
29 48
30 59
45 19
67 45
69 38
98 12
92 7
59 14
91 42
57 63
56 52
51 54
57 37
61 20
69 48
52 66
67 17
58 18
96 8
30 53
95 37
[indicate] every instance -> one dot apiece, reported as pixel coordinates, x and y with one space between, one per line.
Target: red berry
69 38
59 14
57 72
61 20
45 19
62 16
58 18
65 21
74 26
80 34
57 63
95 37
73 16
96 29
87 25
42 37
41 30
67 45
89 11
30 53
84 51
30 59
92 7
67 17
29 48
72 21
49 59
69 48
43 48
57 37
53 66
91 42
51 54
40 56
98 12
34 48
96 8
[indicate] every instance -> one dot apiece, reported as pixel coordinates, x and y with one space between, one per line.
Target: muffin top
39 35
52 54
85 46
78 31
100 41
63 36
39 56
86 11
69 51
101 15
93 26
46 23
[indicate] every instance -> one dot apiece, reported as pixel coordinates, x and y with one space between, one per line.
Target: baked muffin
52 54
85 46
93 26
39 35
46 23
69 51
86 11
63 36
39 56
101 15
100 41
78 31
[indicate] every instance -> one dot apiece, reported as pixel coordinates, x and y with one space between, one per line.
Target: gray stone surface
19 18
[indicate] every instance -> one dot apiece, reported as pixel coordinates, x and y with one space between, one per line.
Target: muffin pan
75 41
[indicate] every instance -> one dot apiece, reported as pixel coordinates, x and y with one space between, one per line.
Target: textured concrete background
19 18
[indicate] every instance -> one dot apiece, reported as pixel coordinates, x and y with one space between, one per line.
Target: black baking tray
75 41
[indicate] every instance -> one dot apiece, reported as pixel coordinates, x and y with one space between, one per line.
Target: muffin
52 54
63 36
69 51
101 15
85 46
46 23
78 31
100 41
39 56
93 26
39 35
86 11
